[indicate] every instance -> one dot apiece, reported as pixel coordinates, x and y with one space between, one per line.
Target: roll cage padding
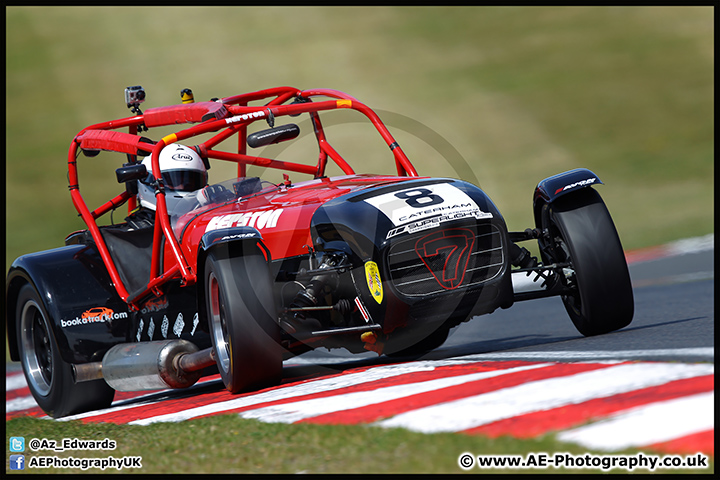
115 142
185 113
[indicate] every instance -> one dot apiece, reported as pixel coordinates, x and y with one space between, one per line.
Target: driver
184 174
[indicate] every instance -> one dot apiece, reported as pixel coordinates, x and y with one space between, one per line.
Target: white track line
306 388
692 245
129 403
541 395
707 352
15 382
20 403
649 424
296 411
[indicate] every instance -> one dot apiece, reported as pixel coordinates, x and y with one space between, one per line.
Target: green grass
229 444
507 96
519 94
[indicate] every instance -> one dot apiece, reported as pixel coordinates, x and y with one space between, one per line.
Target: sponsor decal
363 311
245 116
182 157
94 315
239 236
434 211
196 320
261 220
420 208
164 326
155 305
151 329
372 275
446 254
581 183
436 221
179 324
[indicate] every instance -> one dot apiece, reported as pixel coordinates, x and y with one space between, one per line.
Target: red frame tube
262 162
240 116
111 204
89 220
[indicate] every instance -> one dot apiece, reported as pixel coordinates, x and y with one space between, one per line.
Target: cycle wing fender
85 307
554 187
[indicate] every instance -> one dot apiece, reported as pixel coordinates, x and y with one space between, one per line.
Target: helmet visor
185 180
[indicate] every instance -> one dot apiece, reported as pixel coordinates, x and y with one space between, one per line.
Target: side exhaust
155 365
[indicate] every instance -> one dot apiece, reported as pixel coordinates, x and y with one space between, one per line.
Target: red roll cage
232 115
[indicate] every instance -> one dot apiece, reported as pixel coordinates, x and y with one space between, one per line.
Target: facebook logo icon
17 462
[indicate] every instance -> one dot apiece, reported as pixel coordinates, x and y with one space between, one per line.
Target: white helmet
183 172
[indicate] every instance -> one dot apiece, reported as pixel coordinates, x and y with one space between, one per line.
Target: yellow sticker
372 275
344 104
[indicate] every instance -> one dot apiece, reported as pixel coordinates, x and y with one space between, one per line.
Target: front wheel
242 317
48 376
579 230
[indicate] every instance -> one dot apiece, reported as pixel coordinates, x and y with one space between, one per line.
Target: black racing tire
48 376
242 317
583 233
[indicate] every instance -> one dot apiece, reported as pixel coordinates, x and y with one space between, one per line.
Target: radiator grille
448 259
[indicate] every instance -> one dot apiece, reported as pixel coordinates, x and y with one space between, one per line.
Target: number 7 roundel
446 254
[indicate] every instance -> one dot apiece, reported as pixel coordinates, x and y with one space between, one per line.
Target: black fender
222 236
369 235
226 238
87 315
554 187
235 237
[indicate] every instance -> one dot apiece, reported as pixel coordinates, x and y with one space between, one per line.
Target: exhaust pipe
155 365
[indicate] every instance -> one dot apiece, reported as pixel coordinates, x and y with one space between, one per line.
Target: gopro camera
134 96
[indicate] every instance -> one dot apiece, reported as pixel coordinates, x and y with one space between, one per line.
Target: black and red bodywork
444 259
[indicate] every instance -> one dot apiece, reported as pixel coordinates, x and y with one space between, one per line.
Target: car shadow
338 364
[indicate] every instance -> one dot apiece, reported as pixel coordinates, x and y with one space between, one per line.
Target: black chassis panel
78 296
351 225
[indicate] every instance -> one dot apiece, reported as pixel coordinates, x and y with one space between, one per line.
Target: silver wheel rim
37 348
217 325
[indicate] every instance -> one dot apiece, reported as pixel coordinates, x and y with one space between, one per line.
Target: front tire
242 317
48 376
582 233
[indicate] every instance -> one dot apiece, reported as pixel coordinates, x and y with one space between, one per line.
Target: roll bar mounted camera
134 96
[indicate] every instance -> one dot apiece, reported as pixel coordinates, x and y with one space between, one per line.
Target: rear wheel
48 376
581 232
242 317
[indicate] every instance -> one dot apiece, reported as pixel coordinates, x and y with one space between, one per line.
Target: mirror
273 135
131 171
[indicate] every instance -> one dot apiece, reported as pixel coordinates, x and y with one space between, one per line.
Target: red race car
245 273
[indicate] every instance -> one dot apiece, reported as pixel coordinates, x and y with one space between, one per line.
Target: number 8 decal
412 198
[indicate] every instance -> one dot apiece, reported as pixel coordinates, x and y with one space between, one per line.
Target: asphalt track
524 372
